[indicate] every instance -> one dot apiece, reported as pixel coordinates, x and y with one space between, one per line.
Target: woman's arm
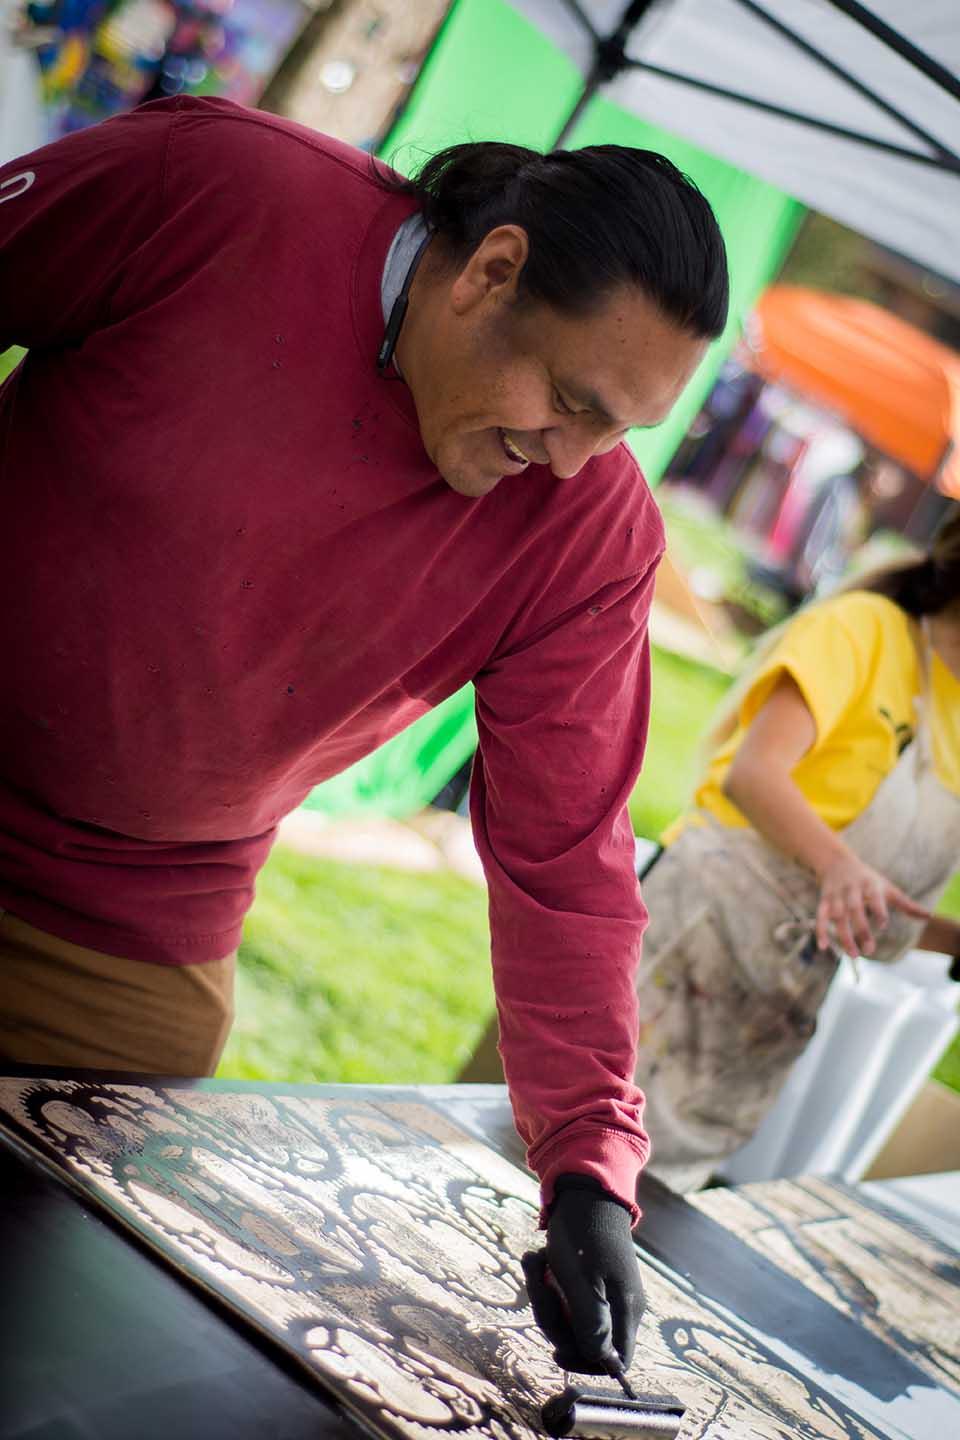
760 783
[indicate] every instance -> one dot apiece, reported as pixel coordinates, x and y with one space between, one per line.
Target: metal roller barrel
594 1415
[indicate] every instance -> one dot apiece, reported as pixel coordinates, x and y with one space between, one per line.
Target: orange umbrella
896 386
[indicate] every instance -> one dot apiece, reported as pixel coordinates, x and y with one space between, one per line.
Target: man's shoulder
623 478
610 505
238 142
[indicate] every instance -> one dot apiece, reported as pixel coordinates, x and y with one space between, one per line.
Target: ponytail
928 585
920 587
596 219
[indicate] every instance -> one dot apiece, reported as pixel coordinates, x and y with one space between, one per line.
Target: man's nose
569 449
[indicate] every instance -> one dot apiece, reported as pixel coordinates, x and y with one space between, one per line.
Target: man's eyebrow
594 402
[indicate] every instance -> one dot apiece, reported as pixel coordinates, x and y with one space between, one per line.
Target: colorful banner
100 57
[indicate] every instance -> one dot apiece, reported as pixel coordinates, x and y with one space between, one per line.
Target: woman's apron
731 978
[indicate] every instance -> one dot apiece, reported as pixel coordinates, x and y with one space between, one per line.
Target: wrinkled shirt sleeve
562 721
72 216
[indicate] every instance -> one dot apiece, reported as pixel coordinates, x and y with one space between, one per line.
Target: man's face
501 384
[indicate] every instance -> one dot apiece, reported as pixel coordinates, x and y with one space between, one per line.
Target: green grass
363 974
950 903
372 975
9 359
948 1070
700 539
685 696
712 553
366 974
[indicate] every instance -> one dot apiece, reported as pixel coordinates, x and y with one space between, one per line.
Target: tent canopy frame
610 59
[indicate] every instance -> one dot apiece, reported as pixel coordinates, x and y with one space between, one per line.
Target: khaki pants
63 1005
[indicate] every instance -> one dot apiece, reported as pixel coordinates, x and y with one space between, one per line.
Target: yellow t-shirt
856 664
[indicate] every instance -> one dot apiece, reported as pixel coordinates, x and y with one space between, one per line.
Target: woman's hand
855 903
855 899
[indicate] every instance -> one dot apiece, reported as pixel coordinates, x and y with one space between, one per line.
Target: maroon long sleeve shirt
228 569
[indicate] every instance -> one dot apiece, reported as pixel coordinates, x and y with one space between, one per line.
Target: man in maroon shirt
296 451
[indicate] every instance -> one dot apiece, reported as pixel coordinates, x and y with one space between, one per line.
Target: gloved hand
585 1286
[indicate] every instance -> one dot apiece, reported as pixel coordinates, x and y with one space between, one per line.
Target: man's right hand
585 1287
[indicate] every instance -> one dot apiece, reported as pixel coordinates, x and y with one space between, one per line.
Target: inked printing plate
895 1279
379 1245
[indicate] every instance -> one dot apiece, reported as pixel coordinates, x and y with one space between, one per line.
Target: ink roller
596 1415
585 1414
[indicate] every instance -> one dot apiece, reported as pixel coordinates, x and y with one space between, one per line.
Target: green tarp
492 76
405 774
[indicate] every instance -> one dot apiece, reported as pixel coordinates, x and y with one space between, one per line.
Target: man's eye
561 404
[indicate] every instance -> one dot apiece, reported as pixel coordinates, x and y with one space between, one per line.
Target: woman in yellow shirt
828 821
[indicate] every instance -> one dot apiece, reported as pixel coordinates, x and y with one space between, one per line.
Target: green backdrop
491 75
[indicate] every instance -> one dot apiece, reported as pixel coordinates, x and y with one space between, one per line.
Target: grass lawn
9 359
356 973
685 696
948 1071
949 1068
711 551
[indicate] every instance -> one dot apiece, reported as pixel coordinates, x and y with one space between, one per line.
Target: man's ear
493 269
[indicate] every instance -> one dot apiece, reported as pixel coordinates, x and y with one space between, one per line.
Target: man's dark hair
596 219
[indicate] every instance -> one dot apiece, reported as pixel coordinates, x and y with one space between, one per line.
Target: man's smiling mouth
512 449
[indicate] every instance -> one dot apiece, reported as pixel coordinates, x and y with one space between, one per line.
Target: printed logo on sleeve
23 181
902 733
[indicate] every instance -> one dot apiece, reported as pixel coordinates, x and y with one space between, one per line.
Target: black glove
585 1287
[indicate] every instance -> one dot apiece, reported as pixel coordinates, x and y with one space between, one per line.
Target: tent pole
910 52
757 10
586 95
947 161
609 58
581 15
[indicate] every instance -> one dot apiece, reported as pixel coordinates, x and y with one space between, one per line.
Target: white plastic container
877 1039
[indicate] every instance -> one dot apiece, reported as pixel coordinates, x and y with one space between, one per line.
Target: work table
98 1338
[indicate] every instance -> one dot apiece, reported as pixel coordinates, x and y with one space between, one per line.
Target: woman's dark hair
926 586
596 218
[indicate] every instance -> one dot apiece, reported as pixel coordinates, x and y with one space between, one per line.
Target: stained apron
731 977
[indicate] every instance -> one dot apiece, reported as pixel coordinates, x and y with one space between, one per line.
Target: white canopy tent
853 109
